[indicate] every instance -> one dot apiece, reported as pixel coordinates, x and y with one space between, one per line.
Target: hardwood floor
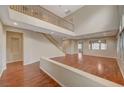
100 66
18 75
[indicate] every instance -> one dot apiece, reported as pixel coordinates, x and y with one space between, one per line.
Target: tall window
98 45
79 46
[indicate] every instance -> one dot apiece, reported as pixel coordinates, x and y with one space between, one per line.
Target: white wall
109 52
36 46
120 50
121 16
94 18
2 49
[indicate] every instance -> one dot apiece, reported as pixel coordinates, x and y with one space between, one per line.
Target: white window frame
100 42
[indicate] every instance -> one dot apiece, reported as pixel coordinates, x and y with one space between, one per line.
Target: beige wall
95 18
66 45
110 52
70 46
35 46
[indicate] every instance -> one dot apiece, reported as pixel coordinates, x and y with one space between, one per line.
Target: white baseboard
14 61
1 73
99 56
30 62
92 55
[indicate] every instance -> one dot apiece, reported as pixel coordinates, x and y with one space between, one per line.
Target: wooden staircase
53 41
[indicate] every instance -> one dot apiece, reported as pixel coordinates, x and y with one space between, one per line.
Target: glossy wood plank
18 75
106 68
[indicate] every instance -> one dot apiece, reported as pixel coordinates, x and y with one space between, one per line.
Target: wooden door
14 47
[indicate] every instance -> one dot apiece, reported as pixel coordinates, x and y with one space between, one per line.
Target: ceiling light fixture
52 32
15 23
99 41
67 11
104 34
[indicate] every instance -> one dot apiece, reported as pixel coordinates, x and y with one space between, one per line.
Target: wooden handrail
43 14
53 41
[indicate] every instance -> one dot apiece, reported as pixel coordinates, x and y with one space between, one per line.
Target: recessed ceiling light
52 32
99 41
67 11
104 34
15 23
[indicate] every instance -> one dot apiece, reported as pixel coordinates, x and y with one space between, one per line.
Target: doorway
80 47
14 47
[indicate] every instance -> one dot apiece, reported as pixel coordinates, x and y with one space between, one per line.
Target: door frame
22 41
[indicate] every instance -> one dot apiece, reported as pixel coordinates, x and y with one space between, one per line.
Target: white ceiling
4 17
62 10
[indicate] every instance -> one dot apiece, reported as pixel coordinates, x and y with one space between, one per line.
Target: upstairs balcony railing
43 14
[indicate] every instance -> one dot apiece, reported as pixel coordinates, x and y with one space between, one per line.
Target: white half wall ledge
68 76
